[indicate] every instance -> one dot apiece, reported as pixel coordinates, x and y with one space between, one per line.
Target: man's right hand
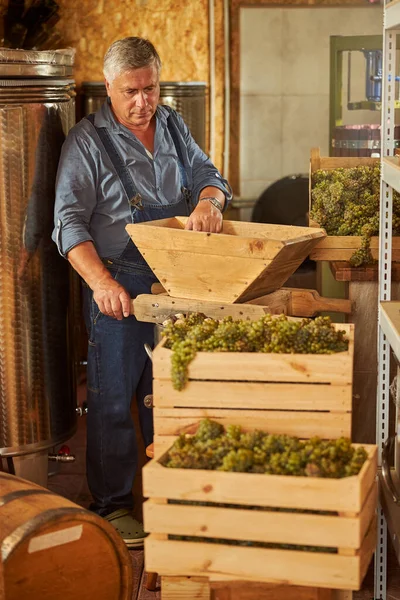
112 298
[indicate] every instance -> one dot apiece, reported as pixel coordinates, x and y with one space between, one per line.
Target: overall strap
122 172
173 130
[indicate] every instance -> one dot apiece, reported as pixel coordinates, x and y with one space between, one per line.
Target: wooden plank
163 443
369 547
249 590
347 162
296 302
156 237
237 238
278 271
344 255
258 395
288 233
312 493
214 278
185 588
254 564
156 309
300 368
343 271
257 525
389 319
315 160
350 242
329 425
341 248
327 163
368 511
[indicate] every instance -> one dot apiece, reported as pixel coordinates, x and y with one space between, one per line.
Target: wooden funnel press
243 262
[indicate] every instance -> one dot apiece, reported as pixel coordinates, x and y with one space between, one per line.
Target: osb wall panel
179 30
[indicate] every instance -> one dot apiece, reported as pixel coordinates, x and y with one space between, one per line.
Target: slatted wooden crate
343 247
349 528
200 588
296 394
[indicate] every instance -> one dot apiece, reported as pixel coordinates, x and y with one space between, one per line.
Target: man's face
134 96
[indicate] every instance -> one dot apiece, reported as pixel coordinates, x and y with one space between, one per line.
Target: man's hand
205 217
111 298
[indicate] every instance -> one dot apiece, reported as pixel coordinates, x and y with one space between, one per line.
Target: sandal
130 529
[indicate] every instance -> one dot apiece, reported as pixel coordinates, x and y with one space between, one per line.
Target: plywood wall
179 29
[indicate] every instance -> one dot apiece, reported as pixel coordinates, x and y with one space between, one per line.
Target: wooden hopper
245 261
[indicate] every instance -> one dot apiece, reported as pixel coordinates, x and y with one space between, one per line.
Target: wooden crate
243 262
179 588
349 528
340 248
296 394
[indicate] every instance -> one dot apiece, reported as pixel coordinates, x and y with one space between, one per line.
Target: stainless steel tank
187 98
37 384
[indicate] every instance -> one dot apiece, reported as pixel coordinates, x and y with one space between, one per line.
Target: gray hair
128 54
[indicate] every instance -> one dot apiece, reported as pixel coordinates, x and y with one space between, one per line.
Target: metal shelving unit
389 312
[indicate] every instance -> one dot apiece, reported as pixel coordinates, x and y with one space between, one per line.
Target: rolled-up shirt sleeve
204 173
75 194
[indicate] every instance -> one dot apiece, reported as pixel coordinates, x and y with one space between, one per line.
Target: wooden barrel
53 549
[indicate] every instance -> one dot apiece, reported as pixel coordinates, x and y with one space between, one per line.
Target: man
129 162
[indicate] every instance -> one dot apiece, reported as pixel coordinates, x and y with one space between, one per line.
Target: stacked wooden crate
302 395
249 526
340 247
296 394
334 520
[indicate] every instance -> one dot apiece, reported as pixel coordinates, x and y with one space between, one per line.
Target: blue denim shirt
91 204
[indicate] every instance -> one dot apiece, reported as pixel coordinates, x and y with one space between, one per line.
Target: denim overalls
117 366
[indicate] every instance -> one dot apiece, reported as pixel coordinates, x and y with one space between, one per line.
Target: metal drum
37 384
359 140
189 99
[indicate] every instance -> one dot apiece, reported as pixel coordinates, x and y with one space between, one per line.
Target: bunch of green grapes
259 452
187 336
346 202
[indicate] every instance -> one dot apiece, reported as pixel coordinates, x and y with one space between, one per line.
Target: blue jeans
117 369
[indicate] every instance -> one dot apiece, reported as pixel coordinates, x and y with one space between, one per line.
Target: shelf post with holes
389 312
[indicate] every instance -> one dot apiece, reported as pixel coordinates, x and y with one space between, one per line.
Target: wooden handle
306 303
156 308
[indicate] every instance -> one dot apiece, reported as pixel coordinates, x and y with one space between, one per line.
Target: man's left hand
205 217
